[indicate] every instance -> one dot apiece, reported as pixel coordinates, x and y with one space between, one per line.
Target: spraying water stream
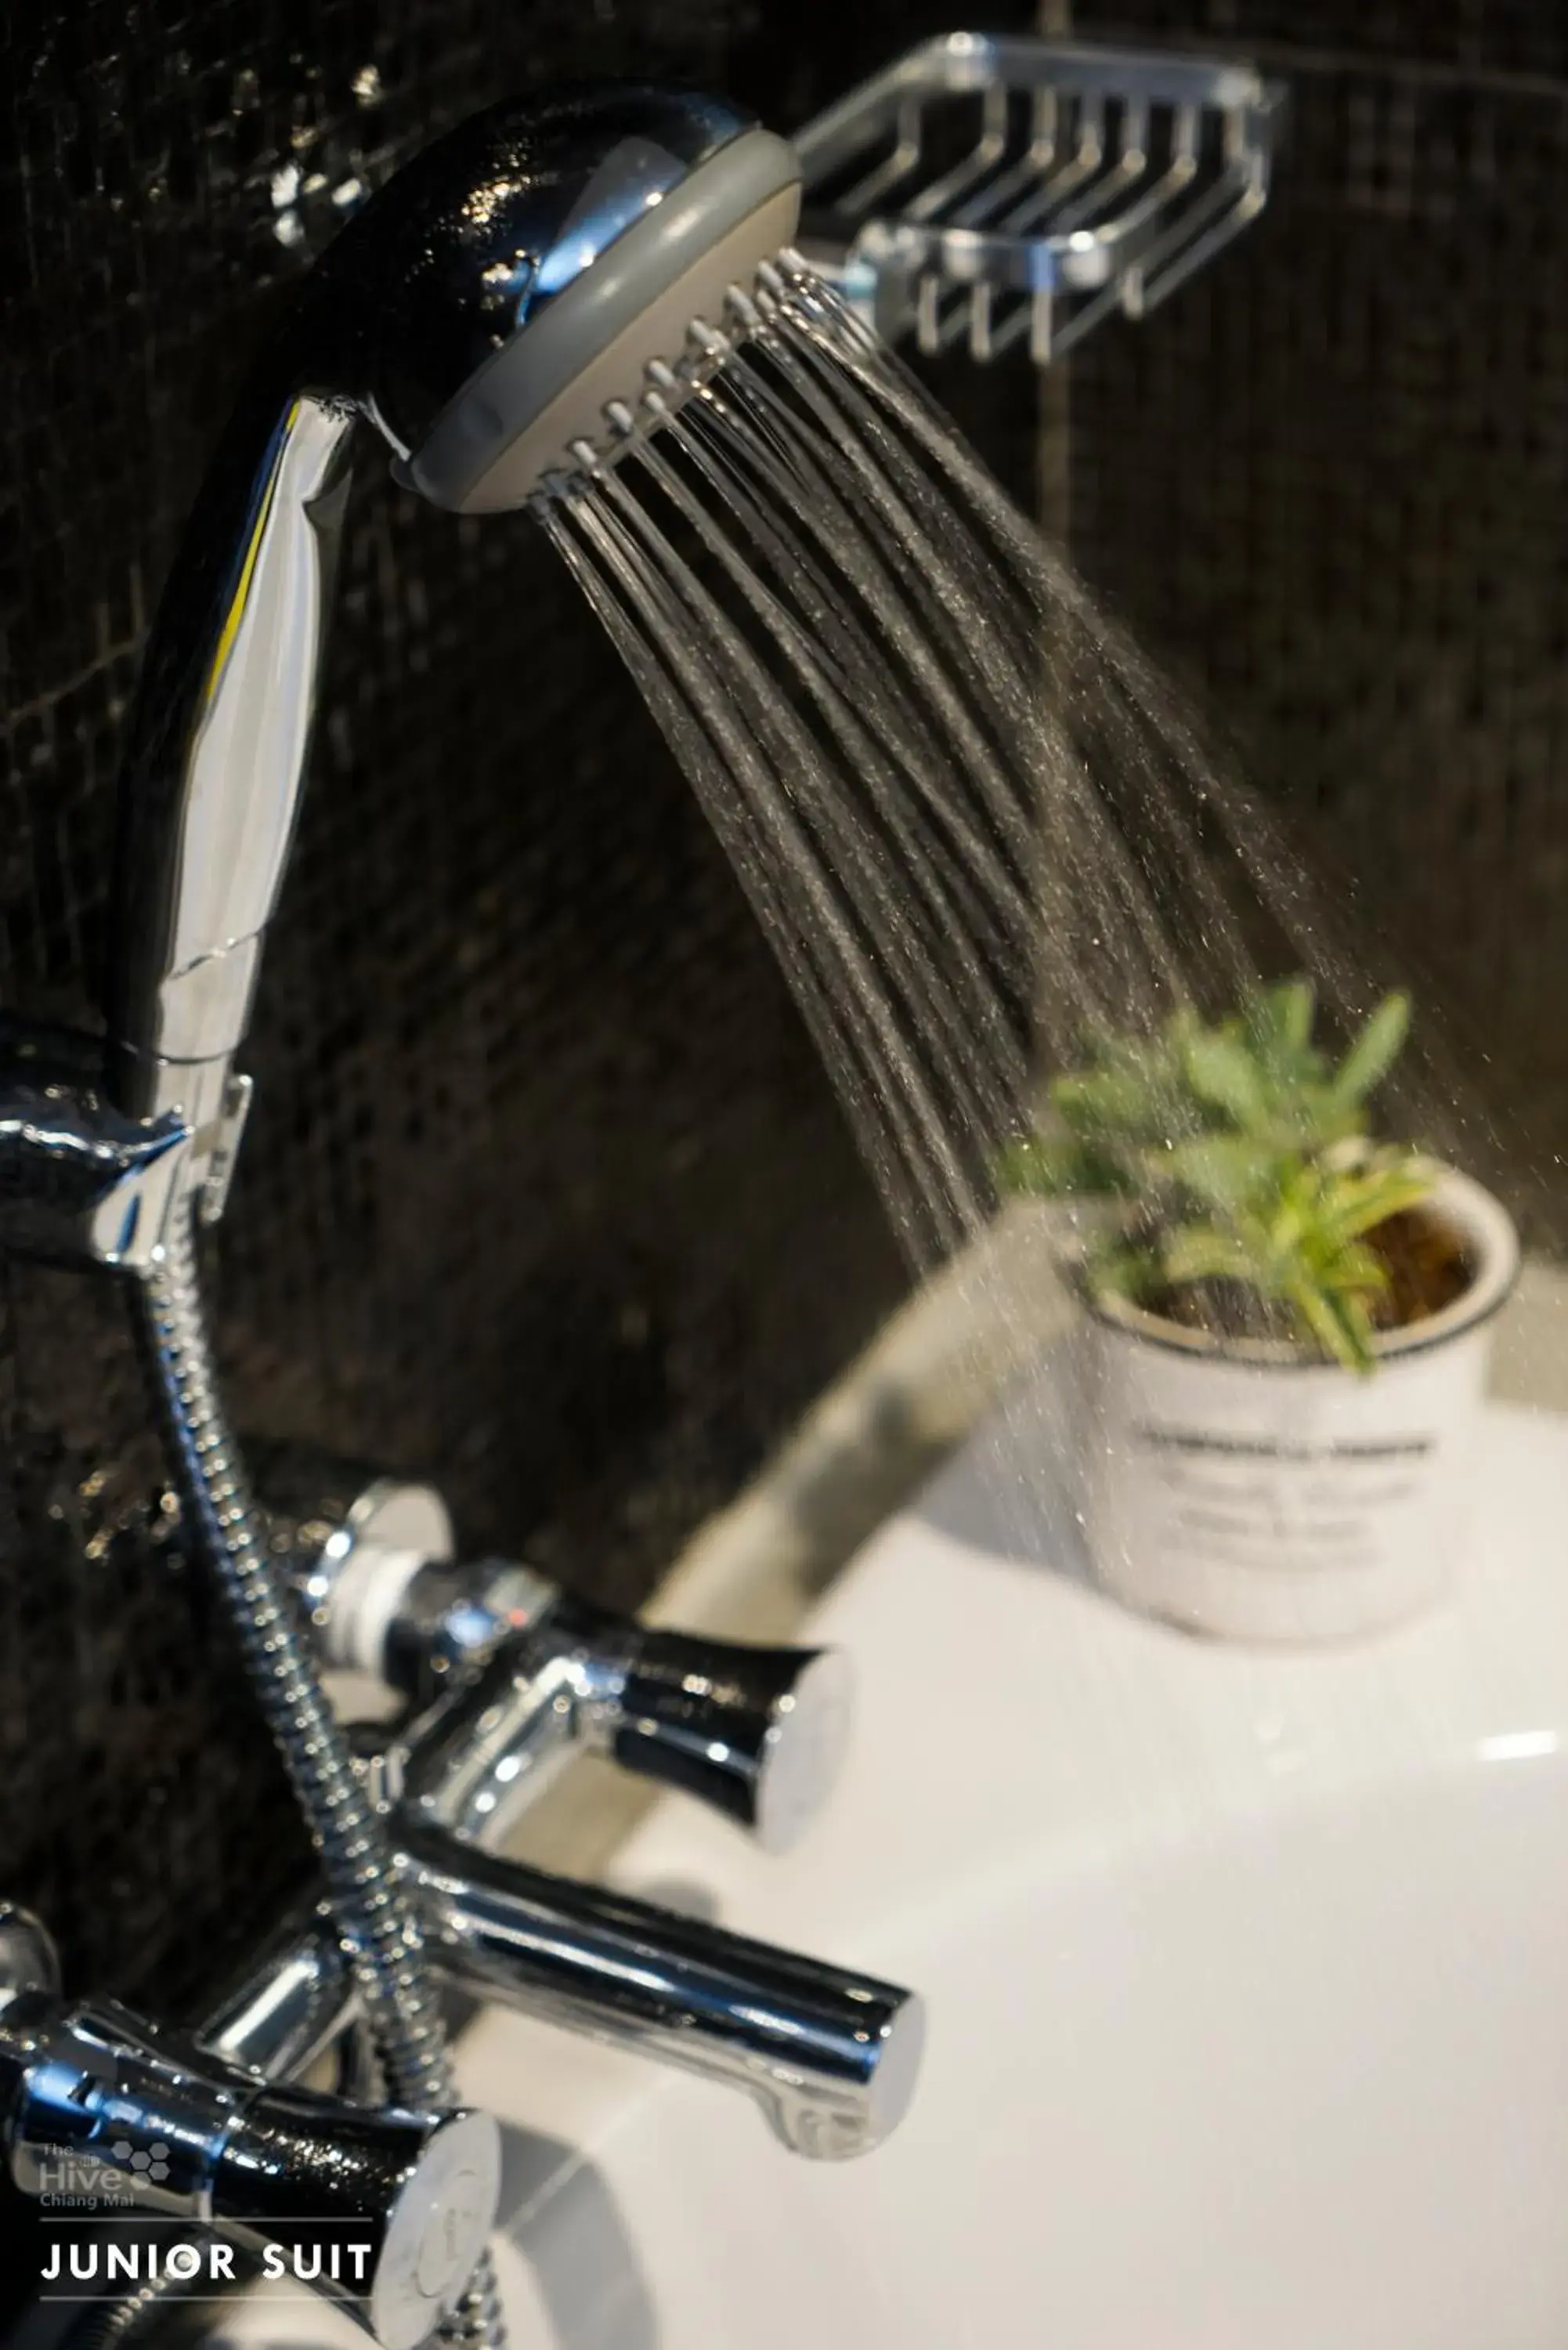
969 820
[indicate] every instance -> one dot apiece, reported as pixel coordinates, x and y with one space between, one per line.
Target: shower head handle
218 744
477 313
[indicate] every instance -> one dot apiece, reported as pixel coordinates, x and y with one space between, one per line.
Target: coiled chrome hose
105 2325
378 1928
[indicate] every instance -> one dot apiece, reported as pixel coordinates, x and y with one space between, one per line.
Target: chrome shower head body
480 313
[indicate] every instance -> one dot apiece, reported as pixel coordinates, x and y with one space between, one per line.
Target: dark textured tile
1514 38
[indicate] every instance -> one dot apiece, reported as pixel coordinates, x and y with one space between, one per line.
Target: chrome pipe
288 2010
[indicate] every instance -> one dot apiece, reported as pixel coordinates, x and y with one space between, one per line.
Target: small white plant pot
1240 1490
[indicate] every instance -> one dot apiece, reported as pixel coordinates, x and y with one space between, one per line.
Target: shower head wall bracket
80 1183
984 190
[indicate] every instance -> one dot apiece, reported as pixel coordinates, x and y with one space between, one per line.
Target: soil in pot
1428 1264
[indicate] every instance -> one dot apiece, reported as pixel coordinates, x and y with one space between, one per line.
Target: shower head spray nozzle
482 313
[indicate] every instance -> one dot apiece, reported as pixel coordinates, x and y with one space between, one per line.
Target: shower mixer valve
506 1677
756 1733
397 2205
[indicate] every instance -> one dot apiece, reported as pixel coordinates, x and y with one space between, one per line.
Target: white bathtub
1247 1978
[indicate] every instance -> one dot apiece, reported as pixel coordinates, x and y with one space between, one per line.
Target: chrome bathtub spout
829 2053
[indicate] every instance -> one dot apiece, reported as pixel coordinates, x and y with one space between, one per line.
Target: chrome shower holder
984 190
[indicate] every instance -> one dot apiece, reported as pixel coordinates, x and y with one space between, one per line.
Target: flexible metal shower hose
357 1862
105 2325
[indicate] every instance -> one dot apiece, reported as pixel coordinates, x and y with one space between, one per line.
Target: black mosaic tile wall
544 1195
1329 482
1489 38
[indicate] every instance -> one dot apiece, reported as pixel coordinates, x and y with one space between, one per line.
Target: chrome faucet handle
756 1733
397 2205
759 1734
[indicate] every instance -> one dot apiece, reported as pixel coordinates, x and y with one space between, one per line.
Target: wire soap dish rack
981 190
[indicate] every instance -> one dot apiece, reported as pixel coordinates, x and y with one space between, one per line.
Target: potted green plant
1288 1320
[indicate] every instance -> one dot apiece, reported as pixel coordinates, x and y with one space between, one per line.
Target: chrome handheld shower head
480 313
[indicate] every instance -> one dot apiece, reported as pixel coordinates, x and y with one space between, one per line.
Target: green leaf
1292 1004
1279 1021
1222 1169
1356 1271
1202 1252
1356 1202
1295 1211
1342 1334
1221 1071
1358 1327
1096 1102
1374 1050
1315 1117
